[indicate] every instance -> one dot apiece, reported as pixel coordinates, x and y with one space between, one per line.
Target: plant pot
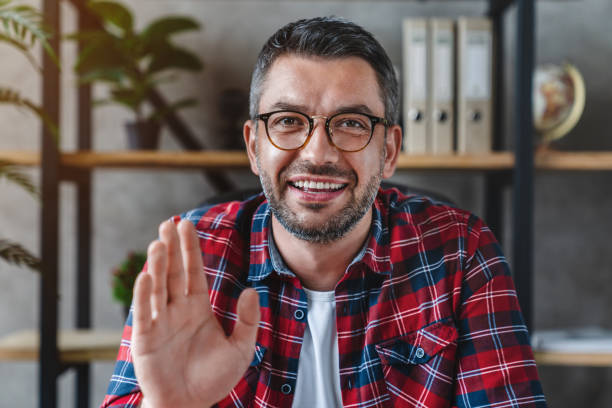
143 135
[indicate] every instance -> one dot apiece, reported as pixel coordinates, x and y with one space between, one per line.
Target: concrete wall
572 217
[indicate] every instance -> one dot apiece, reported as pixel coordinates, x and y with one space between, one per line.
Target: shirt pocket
419 367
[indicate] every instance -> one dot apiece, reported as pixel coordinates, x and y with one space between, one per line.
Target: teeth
318 185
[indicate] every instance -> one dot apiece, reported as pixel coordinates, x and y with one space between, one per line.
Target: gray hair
327 37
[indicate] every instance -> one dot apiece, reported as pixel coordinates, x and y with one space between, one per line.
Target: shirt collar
265 258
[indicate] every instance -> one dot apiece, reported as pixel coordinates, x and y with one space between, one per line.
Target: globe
558 100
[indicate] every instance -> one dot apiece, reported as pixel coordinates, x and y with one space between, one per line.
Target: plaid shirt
427 314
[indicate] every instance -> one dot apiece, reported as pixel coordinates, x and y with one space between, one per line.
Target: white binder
474 85
415 85
441 86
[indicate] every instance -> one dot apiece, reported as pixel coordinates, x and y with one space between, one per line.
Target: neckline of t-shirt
320 296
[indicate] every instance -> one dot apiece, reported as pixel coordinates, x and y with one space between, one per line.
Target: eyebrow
359 108
288 106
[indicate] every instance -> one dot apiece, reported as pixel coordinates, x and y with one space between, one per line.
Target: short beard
336 227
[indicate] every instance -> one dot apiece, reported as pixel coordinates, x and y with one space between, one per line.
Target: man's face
318 192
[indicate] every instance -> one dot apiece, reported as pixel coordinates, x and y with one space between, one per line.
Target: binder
474 85
441 86
415 85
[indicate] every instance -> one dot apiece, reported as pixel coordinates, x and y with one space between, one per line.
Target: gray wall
573 210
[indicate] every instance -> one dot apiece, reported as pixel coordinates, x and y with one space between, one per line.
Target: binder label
443 54
477 73
418 69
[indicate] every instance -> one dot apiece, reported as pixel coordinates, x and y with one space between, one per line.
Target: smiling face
319 193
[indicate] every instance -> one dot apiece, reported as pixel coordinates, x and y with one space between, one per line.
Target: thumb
245 330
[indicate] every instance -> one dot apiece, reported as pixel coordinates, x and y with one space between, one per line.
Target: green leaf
120 293
125 275
12 97
87 36
24 48
20 21
170 57
99 54
14 253
163 79
11 173
110 75
160 30
114 13
128 97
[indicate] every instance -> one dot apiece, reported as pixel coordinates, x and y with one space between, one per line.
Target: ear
393 145
250 139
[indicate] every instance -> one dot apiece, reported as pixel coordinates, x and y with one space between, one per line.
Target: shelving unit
77 167
58 351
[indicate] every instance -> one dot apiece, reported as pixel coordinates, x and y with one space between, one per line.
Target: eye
351 123
288 121
285 120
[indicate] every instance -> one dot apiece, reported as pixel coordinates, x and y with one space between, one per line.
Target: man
327 291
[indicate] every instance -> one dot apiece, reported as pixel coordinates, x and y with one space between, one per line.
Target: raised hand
182 356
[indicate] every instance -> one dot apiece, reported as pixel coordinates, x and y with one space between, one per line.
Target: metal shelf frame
521 177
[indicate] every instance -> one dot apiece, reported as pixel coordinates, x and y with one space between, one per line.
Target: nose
319 149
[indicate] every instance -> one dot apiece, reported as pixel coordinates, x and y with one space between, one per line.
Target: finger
176 278
142 316
157 267
192 259
245 330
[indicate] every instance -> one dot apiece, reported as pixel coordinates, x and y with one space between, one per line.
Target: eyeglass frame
374 120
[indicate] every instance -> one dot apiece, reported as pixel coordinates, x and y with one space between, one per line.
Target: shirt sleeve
123 390
496 366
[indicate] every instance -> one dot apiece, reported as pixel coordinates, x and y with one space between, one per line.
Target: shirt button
298 314
286 389
420 352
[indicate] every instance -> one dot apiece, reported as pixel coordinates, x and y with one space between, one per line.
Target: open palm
182 356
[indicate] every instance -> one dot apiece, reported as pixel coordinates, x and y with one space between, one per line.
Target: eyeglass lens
349 131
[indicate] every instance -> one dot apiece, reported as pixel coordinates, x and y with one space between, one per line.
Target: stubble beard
326 231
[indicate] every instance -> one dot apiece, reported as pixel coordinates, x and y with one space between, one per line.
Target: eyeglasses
347 131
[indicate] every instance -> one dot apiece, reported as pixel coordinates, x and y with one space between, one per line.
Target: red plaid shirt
427 314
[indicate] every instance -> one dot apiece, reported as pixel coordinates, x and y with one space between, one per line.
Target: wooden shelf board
74 345
573 359
20 157
582 161
488 161
206 159
211 159
238 159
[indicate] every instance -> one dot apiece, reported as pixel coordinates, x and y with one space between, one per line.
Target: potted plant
21 27
133 62
124 277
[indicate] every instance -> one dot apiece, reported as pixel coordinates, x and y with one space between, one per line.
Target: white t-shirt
318 378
